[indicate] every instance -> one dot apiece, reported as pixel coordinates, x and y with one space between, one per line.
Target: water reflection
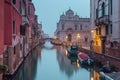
28 69
64 63
51 63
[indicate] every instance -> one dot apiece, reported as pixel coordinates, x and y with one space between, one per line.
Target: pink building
1 33
24 29
33 24
18 27
1 27
12 23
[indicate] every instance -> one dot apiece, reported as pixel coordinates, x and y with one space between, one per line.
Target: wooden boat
73 51
84 59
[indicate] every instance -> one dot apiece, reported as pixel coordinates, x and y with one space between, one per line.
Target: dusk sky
49 11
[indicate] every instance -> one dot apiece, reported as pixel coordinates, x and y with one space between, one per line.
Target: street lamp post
92 43
92 48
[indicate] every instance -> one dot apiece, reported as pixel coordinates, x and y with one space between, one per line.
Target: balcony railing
25 19
102 20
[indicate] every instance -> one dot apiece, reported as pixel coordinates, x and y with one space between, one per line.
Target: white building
105 23
73 29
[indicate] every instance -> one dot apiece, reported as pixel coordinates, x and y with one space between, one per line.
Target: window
14 27
111 44
86 39
111 6
81 27
22 30
14 1
28 10
103 9
96 13
62 26
75 27
107 30
111 29
20 6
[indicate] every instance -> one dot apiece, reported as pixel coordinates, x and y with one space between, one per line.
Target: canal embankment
20 61
103 58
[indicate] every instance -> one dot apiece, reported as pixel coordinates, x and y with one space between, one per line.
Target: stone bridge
48 39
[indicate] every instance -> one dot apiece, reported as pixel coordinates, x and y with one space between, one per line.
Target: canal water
50 62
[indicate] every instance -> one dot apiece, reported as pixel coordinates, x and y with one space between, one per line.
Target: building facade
73 29
1 29
12 23
18 32
1 34
105 23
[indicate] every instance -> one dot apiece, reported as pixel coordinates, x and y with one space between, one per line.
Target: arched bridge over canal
48 39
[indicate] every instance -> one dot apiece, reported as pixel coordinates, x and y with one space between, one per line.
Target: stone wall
114 61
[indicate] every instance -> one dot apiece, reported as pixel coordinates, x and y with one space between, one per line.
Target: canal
50 62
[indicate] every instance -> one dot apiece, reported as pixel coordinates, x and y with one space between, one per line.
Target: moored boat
73 51
84 59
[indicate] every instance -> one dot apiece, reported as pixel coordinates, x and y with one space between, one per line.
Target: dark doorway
69 37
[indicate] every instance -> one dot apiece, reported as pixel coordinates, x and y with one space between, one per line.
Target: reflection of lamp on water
91 78
78 37
78 65
66 52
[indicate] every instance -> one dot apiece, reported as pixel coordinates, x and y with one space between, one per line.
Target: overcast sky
49 11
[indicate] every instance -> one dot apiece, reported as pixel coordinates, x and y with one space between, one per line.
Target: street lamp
66 37
78 35
55 37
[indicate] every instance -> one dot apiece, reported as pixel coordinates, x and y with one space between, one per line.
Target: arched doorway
69 37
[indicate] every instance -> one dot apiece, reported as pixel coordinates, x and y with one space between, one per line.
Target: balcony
104 20
25 20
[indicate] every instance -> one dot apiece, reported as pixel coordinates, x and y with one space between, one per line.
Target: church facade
73 29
